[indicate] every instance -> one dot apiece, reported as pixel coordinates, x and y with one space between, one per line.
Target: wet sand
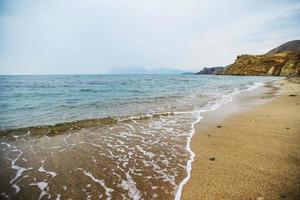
250 148
136 158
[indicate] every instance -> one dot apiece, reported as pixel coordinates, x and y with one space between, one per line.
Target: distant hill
142 70
280 61
210 70
288 46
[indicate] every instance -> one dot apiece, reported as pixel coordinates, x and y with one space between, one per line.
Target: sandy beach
249 149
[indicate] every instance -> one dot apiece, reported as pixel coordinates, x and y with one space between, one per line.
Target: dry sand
253 152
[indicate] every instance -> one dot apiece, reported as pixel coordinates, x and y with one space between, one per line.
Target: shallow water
136 155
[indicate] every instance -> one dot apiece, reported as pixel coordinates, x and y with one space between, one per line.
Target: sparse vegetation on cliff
281 61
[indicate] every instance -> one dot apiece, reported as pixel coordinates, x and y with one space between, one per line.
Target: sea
104 136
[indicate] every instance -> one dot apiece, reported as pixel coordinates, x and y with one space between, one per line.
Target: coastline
228 99
217 144
120 152
39 153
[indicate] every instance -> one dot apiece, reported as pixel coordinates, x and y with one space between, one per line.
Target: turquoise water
43 100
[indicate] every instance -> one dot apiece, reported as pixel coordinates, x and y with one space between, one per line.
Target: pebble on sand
283 196
212 159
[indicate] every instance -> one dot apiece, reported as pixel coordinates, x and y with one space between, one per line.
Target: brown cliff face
280 64
280 61
292 66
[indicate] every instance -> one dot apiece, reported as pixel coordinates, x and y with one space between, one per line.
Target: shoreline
108 146
242 104
200 115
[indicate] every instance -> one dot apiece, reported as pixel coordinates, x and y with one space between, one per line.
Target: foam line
19 169
226 99
108 190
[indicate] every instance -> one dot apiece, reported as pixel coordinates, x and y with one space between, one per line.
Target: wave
60 128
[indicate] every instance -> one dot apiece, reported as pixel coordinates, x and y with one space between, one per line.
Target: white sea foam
108 190
130 186
19 169
87 193
146 153
8 145
43 186
3 194
43 170
58 196
17 188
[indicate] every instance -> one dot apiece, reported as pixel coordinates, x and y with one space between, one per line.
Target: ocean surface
104 136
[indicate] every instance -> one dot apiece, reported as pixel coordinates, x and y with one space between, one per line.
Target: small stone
208 135
292 95
283 196
219 126
212 159
287 128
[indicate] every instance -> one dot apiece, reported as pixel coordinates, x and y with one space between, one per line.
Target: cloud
91 36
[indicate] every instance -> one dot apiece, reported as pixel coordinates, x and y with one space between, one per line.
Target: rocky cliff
281 61
210 71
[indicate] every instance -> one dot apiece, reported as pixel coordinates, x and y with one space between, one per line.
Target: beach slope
252 154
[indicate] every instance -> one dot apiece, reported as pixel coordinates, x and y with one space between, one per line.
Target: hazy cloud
95 36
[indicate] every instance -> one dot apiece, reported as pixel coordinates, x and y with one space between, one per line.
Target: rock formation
281 61
211 70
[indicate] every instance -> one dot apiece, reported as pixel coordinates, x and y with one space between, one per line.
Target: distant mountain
210 70
142 70
281 61
288 46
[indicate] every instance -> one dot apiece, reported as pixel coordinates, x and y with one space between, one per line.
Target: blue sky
95 36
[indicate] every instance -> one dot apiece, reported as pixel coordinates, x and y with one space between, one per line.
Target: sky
96 36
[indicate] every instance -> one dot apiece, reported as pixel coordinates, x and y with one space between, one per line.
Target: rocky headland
280 61
210 71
